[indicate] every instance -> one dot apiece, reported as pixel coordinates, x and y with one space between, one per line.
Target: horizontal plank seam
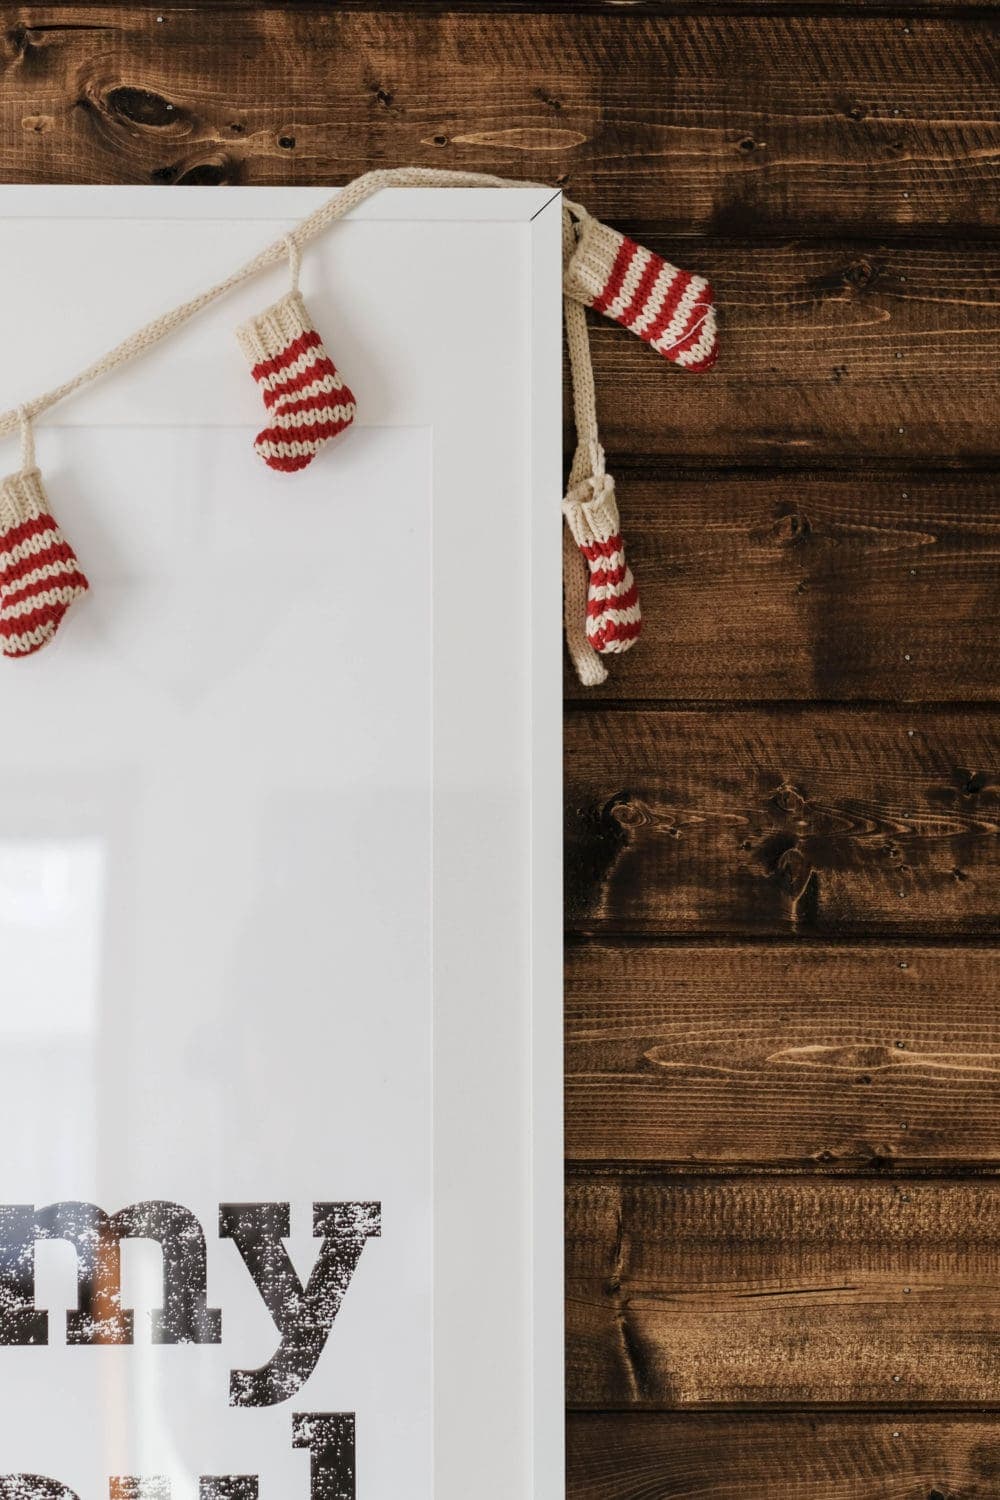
789 707
675 466
687 1414
889 937
595 1170
889 236
657 468
732 1173
629 941
711 1408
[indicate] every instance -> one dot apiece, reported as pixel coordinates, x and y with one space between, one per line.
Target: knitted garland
307 404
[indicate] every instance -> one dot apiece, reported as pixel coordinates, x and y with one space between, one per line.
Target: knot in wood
626 812
792 525
143 107
790 800
210 171
861 272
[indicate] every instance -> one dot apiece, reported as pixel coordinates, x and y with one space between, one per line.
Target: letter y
303 1315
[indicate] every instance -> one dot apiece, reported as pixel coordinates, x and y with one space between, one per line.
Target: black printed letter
330 1440
98 1318
303 1315
20 1322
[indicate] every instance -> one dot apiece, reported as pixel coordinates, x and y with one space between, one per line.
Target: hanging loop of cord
27 439
294 260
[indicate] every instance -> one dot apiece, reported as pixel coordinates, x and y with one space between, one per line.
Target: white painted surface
279 847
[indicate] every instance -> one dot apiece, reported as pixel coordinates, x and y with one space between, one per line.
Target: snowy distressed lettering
303 1314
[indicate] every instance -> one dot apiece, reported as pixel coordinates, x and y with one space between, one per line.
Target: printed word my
302 1314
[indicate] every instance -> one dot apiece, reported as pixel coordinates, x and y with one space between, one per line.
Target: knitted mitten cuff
670 309
614 619
307 401
39 574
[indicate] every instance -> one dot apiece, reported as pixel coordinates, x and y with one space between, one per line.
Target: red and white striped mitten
614 619
671 309
39 574
307 401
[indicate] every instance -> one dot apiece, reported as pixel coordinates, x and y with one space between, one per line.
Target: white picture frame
444 307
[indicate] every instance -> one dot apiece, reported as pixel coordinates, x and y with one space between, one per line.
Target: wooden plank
829 352
781 124
580 7
753 1456
779 821
767 1292
804 585
800 1056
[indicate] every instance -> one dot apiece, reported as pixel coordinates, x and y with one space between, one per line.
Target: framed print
280 895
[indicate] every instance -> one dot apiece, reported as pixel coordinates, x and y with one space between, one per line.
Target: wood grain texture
804 585
832 352
781 821
778 124
764 1292
623 9
803 1056
725 1456
725 141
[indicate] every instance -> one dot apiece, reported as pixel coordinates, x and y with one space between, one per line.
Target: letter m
96 1237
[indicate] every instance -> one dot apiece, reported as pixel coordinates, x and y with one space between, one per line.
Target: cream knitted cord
585 660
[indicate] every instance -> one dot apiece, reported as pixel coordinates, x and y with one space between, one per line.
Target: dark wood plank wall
783 1043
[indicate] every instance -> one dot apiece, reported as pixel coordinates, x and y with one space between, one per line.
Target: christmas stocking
39 574
669 308
307 401
614 619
